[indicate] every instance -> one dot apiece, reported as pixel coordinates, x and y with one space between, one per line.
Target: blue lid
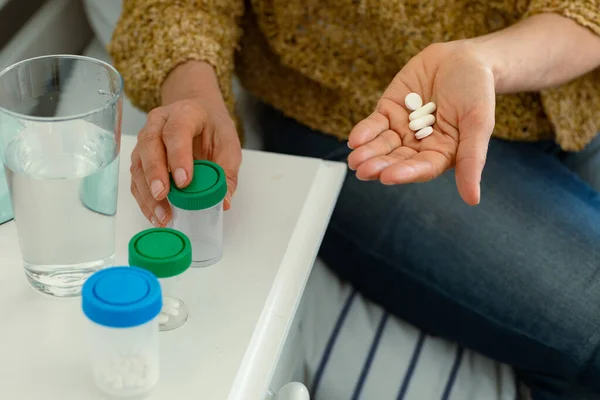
121 297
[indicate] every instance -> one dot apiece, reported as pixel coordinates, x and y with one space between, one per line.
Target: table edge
261 356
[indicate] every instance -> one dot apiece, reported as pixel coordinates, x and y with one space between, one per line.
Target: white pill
170 302
413 101
428 108
423 133
173 312
420 123
163 318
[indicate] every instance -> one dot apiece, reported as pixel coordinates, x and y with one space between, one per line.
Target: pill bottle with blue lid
122 304
166 253
198 211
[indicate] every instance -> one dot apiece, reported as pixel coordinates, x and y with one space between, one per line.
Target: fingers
158 212
421 167
388 115
177 136
167 143
230 159
367 129
475 132
151 152
390 112
371 169
231 187
381 145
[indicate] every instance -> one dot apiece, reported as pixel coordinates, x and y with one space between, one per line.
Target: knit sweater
325 63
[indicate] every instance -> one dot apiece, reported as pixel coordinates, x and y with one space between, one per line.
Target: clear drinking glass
60 134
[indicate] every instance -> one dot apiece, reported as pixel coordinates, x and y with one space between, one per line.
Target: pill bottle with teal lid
122 304
167 254
198 211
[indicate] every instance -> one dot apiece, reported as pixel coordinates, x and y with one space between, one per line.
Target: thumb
230 158
475 130
231 187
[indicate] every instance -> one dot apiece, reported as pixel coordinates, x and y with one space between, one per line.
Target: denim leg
580 392
586 163
515 278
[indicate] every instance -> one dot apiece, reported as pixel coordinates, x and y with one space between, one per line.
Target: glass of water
60 134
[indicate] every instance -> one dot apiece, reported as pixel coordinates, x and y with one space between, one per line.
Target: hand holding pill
437 114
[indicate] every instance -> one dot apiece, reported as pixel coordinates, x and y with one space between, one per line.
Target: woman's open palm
462 85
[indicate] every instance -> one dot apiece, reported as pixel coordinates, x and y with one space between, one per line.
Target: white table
241 309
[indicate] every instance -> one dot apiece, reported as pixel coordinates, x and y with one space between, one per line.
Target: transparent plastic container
122 304
205 230
166 253
198 212
174 312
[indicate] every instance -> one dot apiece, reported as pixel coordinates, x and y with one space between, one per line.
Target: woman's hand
461 83
195 127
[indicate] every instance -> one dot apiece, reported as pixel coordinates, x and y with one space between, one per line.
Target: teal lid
207 188
163 251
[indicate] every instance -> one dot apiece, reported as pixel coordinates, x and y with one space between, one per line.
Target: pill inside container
198 211
166 253
123 304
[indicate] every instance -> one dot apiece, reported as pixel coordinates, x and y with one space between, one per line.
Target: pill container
123 304
198 212
166 253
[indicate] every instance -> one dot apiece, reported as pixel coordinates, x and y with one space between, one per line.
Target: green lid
207 188
164 252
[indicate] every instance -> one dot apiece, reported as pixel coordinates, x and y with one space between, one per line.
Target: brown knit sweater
326 62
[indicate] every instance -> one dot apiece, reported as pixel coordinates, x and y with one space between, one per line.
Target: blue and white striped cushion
355 350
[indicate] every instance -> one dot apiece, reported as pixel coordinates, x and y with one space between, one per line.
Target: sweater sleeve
573 108
154 36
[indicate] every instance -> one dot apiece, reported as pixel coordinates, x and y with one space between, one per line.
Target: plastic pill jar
123 304
166 253
198 211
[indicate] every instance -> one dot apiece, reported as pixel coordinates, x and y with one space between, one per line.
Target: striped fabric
356 351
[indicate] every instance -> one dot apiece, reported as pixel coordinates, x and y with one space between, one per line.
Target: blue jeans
516 278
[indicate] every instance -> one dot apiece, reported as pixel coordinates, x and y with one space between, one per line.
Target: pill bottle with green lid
122 304
167 254
198 211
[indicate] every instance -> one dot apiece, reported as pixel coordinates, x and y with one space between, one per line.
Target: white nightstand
241 309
